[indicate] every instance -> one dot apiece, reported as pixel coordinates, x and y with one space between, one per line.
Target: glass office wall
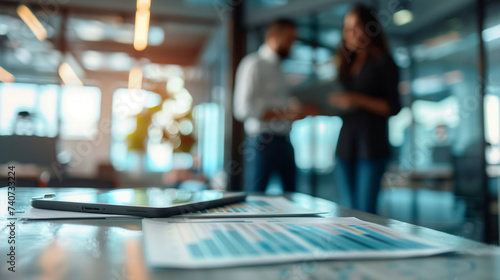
491 37
435 178
213 103
310 63
441 150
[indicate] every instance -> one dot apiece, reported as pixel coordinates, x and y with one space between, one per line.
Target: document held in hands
208 243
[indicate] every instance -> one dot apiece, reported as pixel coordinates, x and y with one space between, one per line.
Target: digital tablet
150 203
317 94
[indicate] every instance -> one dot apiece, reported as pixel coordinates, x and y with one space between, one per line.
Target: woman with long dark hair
370 79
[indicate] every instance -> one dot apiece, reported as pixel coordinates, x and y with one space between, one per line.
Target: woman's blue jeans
359 182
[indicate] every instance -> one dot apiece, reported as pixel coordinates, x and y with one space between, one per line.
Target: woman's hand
350 100
343 100
292 115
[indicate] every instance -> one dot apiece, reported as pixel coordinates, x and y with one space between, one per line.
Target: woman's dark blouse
365 134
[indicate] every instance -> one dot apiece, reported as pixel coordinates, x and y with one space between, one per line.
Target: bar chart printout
255 206
205 243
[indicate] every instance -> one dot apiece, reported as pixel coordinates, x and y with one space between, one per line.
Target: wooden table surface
112 249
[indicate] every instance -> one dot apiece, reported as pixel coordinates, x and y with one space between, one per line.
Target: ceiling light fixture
32 22
142 24
5 76
402 17
68 75
135 78
491 33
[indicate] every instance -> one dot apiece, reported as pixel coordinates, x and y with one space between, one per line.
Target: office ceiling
182 28
425 12
200 9
99 36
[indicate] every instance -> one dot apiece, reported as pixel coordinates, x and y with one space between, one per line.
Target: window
491 37
316 150
80 112
78 109
15 98
209 129
134 148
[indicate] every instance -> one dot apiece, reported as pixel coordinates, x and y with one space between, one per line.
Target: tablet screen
154 197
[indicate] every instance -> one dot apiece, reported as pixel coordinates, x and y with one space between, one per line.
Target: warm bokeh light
5 76
68 75
180 106
135 78
141 30
186 126
143 4
175 84
141 25
32 22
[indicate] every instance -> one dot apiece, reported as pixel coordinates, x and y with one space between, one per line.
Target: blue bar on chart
243 240
255 206
218 242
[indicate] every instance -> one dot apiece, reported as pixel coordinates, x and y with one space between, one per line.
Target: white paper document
209 243
255 206
44 214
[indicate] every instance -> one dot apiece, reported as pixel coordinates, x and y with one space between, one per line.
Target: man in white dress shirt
261 102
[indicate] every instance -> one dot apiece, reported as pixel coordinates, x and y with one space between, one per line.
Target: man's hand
276 114
308 110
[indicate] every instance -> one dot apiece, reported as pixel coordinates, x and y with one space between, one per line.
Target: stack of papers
209 243
255 206
260 230
44 214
